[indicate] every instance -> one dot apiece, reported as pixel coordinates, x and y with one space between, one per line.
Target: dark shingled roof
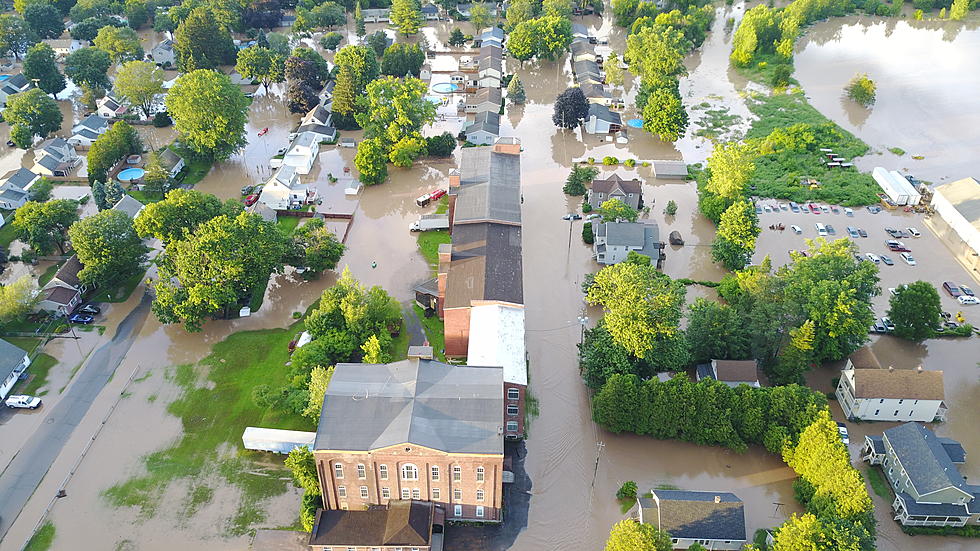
20 177
69 272
487 121
401 523
737 370
954 450
924 458
909 384
877 444
932 509
486 265
616 182
10 358
695 515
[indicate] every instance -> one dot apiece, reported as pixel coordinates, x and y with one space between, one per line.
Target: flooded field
926 73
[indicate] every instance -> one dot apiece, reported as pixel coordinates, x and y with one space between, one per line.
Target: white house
491 35
163 54
171 161
13 362
14 188
581 50
485 99
613 241
63 46
891 394
602 120
110 108
716 520
319 122
284 191
301 154
88 130
485 128
55 157
12 85
491 62
376 15
731 372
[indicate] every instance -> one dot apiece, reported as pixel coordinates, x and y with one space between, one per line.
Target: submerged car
908 259
968 300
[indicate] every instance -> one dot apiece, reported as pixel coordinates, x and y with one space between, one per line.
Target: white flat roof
497 338
279 435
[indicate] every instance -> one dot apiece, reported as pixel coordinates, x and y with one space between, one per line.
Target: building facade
958 224
715 520
891 394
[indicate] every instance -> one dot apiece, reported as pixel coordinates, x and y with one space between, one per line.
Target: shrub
307 512
591 160
630 163
84 200
162 119
627 490
587 235
862 89
671 209
610 161
586 207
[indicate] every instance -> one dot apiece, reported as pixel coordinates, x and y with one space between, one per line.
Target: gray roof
11 357
164 47
486 264
632 234
94 122
16 83
594 90
493 32
50 162
582 46
877 444
110 103
696 515
263 210
954 450
429 8
616 182
603 113
86 133
13 194
485 94
128 205
455 409
20 177
487 121
586 67
924 458
932 509
328 131
490 186
168 158
578 28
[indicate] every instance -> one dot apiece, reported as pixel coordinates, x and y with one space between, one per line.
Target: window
436 494
457 510
457 473
342 491
435 473
511 426
343 506
480 474
338 470
361 471
386 493
479 495
383 471
512 410
364 492
416 493
513 394
405 493
479 511
410 472
457 494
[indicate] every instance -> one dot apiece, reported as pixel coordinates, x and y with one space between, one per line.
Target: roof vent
717 499
891 368
500 429
919 369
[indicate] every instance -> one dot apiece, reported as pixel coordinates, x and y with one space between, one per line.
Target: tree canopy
631 535
139 82
40 67
209 112
915 310
107 246
406 16
17 298
121 43
316 247
571 108
35 112
262 64
179 214
108 149
200 42
44 226
88 67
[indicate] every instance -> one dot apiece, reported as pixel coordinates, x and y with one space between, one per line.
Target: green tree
121 43
21 135
107 246
201 43
731 168
480 16
522 42
861 89
356 66
656 52
88 67
353 313
137 13
615 405
317 248
630 535
601 357
406 16
735 240
329 41
614 73
716 332
34 111
614 210
317 389
959 9
156 179
359 21
41 190
456 38
278 43
209 112
178 215
16 35
139 82
402 59
44 19
577 178
302 465
515 91
108 149
643 306
44 226
571 108
378 42
404 152
795 358
371 161
664 114
17 298
326 15
520 11
915 310
671 208
557 8
87 29
393 111
373 353
40 67
262 64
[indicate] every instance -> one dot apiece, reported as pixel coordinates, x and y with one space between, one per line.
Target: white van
821 229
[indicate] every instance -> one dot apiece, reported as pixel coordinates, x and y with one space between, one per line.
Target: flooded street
927 74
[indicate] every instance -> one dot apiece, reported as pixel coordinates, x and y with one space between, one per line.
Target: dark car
874 209
862 233
83 319
966 290
892 232
830 230
247 189
89 309
887 259
896 246
952 289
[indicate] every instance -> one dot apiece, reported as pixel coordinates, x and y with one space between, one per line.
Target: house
400 525
602 120
921 468
63 46
110 108
615 187
587 71
874 394
464 9
457 77
672 170
67 275
425 73
318 122
163 54
731 372
484 129
596 93
497 338
64 292
129 206
284 191
491 64
430 12
12 85
302 153
716 520
264 211
15 186
55 157
491 35
88 130
581 50
485 99
613 241
416 430
579 31
13 362
376 15
468 63
171 161
12 198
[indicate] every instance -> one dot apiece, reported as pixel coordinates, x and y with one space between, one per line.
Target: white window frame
385 493
481 474
513 410
406 493
479 511
457 494
383 472
342 492
436 494
409 467
457 510
480 494
513 394
361 471
416 494
457 473
338 470
512 426
435 473
364 492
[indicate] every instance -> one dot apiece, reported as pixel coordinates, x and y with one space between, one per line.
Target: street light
583 320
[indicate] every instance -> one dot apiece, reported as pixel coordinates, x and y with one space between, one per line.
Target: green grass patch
48 274
897 151
144 197
7 233
763 68
442 207
399 345
625 505
39 370
26 343
714 122
433 328
258 296
119 292
429 242
288 224
962 531
878 483
42 539
215 407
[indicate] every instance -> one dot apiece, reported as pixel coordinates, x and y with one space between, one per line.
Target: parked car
966 290
834 209
887 260
825 209
783 206
908 259
250 200
914 232
23 401
952 289
965 299
842 429
852 232
894 290
858 257
766 208
794 207
83 319
889 326
796 229
873 257
831 230
874 209
896 246
862 233
247 189
758 209
88 309
814 208
946 316
878 327
572 216
848 211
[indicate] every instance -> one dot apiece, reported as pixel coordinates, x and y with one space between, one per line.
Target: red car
250 200
814 208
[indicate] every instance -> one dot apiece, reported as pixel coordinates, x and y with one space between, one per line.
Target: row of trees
770 33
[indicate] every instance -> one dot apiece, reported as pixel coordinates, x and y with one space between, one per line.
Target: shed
276 440
670 169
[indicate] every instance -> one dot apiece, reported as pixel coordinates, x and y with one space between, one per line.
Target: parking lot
933 261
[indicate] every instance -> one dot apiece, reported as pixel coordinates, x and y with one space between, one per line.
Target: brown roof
615 181
736 370
910 384
486 265
61 295
69 272
401 523
864 357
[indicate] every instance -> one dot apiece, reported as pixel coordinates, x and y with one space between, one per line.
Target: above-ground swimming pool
434 99
130 174
635 123
444 87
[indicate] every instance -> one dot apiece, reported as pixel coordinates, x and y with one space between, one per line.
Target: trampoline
444 87
130 174
635 123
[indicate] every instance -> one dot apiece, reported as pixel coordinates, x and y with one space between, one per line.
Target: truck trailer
428 222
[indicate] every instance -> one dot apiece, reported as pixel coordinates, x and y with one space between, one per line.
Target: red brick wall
457 331
519 417
424 459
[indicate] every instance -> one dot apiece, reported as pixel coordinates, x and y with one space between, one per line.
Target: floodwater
926 73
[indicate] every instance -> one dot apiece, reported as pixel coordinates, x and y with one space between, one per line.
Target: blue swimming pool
635 123
434 100
130 174
444 87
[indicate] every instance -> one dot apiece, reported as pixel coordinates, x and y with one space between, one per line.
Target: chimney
420 352
717 499
453 178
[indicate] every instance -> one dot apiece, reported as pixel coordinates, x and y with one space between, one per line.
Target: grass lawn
434 332
429 242
44 278
27 343
42 539
443 206
288 224
120 292
144 197
878 483
399 345
7 232
38 370
258 296
215 407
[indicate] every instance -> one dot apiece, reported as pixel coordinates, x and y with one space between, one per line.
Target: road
22 476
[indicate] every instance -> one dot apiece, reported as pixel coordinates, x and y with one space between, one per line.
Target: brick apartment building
417 429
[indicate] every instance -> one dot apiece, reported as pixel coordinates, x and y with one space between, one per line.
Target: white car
23 401
908 259
913 232
842 429
872 257
967 299
796 229
849 211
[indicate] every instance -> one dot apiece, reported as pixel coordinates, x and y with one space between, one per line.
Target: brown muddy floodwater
927 75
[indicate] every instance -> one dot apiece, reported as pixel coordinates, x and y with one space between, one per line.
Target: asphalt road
22 476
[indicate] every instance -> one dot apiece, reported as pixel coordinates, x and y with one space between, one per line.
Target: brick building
413 430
